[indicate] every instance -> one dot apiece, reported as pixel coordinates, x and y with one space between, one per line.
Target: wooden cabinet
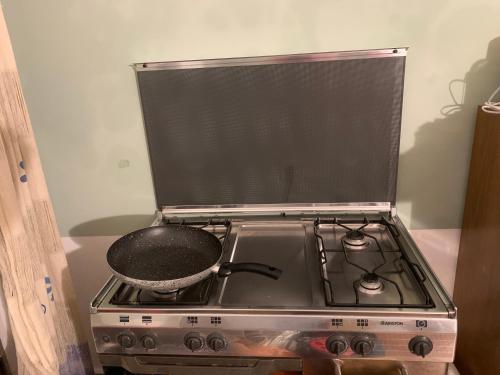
477 285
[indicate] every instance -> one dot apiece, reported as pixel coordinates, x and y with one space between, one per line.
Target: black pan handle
229 268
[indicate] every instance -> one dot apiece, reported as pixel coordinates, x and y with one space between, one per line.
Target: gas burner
370 283
355 239
152 295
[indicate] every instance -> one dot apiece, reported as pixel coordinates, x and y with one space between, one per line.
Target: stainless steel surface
102 294
273 209
278 59
196 365
282 245
259 366
257 318
275 234
276 336
265 132
347 367
420 259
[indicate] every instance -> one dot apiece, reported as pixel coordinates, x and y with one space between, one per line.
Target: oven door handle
337 368
144 365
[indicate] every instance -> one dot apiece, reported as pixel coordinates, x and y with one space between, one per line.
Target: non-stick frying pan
171 257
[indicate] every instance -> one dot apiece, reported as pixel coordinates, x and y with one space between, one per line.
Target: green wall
74 58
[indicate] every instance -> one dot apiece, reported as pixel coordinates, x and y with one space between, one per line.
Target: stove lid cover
310 128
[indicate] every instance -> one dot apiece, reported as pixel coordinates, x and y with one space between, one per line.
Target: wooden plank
37 286
477 284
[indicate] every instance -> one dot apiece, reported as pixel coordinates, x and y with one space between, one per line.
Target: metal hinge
273 209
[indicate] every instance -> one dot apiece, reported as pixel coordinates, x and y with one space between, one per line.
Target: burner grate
371 274
197 294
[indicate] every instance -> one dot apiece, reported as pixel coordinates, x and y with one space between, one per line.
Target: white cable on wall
490 106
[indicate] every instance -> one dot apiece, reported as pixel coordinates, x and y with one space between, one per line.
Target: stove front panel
278 336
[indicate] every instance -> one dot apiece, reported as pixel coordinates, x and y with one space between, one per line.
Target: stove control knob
362 345
148 343
420 345
193 341
126 340
336 344
216 342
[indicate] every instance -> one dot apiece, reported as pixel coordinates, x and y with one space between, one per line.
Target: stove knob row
362 345
194 341
337 344
127 340
420 345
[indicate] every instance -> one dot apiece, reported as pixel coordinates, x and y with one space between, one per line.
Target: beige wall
74 58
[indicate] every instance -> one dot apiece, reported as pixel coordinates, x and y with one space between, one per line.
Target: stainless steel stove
356 296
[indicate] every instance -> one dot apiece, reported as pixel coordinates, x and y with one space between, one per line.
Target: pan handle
229 268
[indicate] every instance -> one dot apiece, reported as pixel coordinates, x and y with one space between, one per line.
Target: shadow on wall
441 150
111 226
86 254
87 246
86 251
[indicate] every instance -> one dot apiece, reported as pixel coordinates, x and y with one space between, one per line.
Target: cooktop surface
339 262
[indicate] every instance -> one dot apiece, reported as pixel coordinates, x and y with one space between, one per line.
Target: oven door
166 365
198 365
370 367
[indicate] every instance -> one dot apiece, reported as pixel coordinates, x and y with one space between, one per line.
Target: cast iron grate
361 224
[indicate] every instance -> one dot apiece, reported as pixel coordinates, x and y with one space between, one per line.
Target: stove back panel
302 132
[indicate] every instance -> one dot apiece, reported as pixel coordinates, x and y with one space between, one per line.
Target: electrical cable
490 106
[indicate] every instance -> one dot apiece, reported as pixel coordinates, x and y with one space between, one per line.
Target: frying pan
170 257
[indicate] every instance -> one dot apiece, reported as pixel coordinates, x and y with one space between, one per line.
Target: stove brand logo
390 323
421 323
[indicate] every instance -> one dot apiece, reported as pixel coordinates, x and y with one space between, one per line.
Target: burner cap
355 235
356 239
370 283
155 295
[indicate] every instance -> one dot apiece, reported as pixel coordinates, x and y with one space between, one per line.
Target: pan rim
157 284
153 284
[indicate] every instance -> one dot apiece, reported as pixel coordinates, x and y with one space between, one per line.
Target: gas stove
275 156
354 286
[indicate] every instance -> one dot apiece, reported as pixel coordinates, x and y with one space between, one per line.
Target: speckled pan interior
165 257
